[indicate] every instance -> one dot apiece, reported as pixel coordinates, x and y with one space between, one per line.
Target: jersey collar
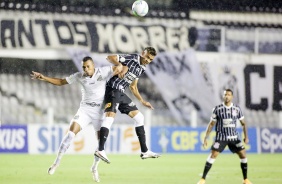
231 105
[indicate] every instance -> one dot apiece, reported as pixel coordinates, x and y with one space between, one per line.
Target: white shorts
89 115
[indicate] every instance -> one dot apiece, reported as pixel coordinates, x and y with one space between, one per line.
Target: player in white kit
93 84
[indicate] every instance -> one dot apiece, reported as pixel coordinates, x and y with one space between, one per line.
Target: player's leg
104 133
210 160
139 128
79 121
65 143
238 147
94 167
111 100
105 129
96 125
138 117
216 148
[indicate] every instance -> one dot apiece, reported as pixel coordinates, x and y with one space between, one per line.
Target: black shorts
234 146
115 99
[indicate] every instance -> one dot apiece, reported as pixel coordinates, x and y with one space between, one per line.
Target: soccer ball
140 8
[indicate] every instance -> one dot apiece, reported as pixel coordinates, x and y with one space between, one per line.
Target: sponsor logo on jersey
93 104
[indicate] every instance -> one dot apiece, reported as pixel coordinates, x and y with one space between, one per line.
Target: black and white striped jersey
226 121
135 69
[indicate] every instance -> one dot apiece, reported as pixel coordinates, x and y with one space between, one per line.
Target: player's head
148 55
227 95
88 66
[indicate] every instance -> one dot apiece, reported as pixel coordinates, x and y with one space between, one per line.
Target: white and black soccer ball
140 8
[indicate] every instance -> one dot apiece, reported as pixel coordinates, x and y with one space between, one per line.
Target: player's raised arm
135 91
54 81
115 61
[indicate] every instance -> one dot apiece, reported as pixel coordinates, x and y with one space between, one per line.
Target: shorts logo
76 117
131 104
216 145
108 105
240 145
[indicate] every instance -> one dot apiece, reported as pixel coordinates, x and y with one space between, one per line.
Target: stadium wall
41 139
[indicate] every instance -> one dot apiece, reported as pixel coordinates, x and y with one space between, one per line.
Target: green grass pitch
169 169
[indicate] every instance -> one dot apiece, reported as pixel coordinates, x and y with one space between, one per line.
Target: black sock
206 170
140 131
244 167
104 132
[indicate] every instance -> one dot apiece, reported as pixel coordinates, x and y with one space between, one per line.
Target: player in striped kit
224 118
115 98
93 82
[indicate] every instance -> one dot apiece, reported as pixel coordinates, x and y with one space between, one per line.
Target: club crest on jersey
234 112
108 105
216 145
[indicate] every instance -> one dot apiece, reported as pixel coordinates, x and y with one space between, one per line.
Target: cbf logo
163 139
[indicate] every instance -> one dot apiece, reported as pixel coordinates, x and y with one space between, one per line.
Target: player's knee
244 160
211 158
107 122
139 119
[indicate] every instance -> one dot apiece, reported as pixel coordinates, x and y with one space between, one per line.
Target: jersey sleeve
240 114
72 78
214 115
107 71
125 58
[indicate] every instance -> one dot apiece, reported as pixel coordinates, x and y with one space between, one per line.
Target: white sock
65 144
95 163
210 160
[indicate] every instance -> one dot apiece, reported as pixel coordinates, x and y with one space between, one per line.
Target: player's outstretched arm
245 130
208 131
114 60
135 91
55 81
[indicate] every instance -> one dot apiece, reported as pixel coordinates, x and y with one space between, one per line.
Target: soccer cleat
149 154
202 181
102 155
95 175
246 181
52 169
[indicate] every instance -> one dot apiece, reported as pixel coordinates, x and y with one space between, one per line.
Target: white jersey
92 88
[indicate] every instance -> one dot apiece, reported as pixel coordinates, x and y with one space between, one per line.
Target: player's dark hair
229 91
151 50
86 58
